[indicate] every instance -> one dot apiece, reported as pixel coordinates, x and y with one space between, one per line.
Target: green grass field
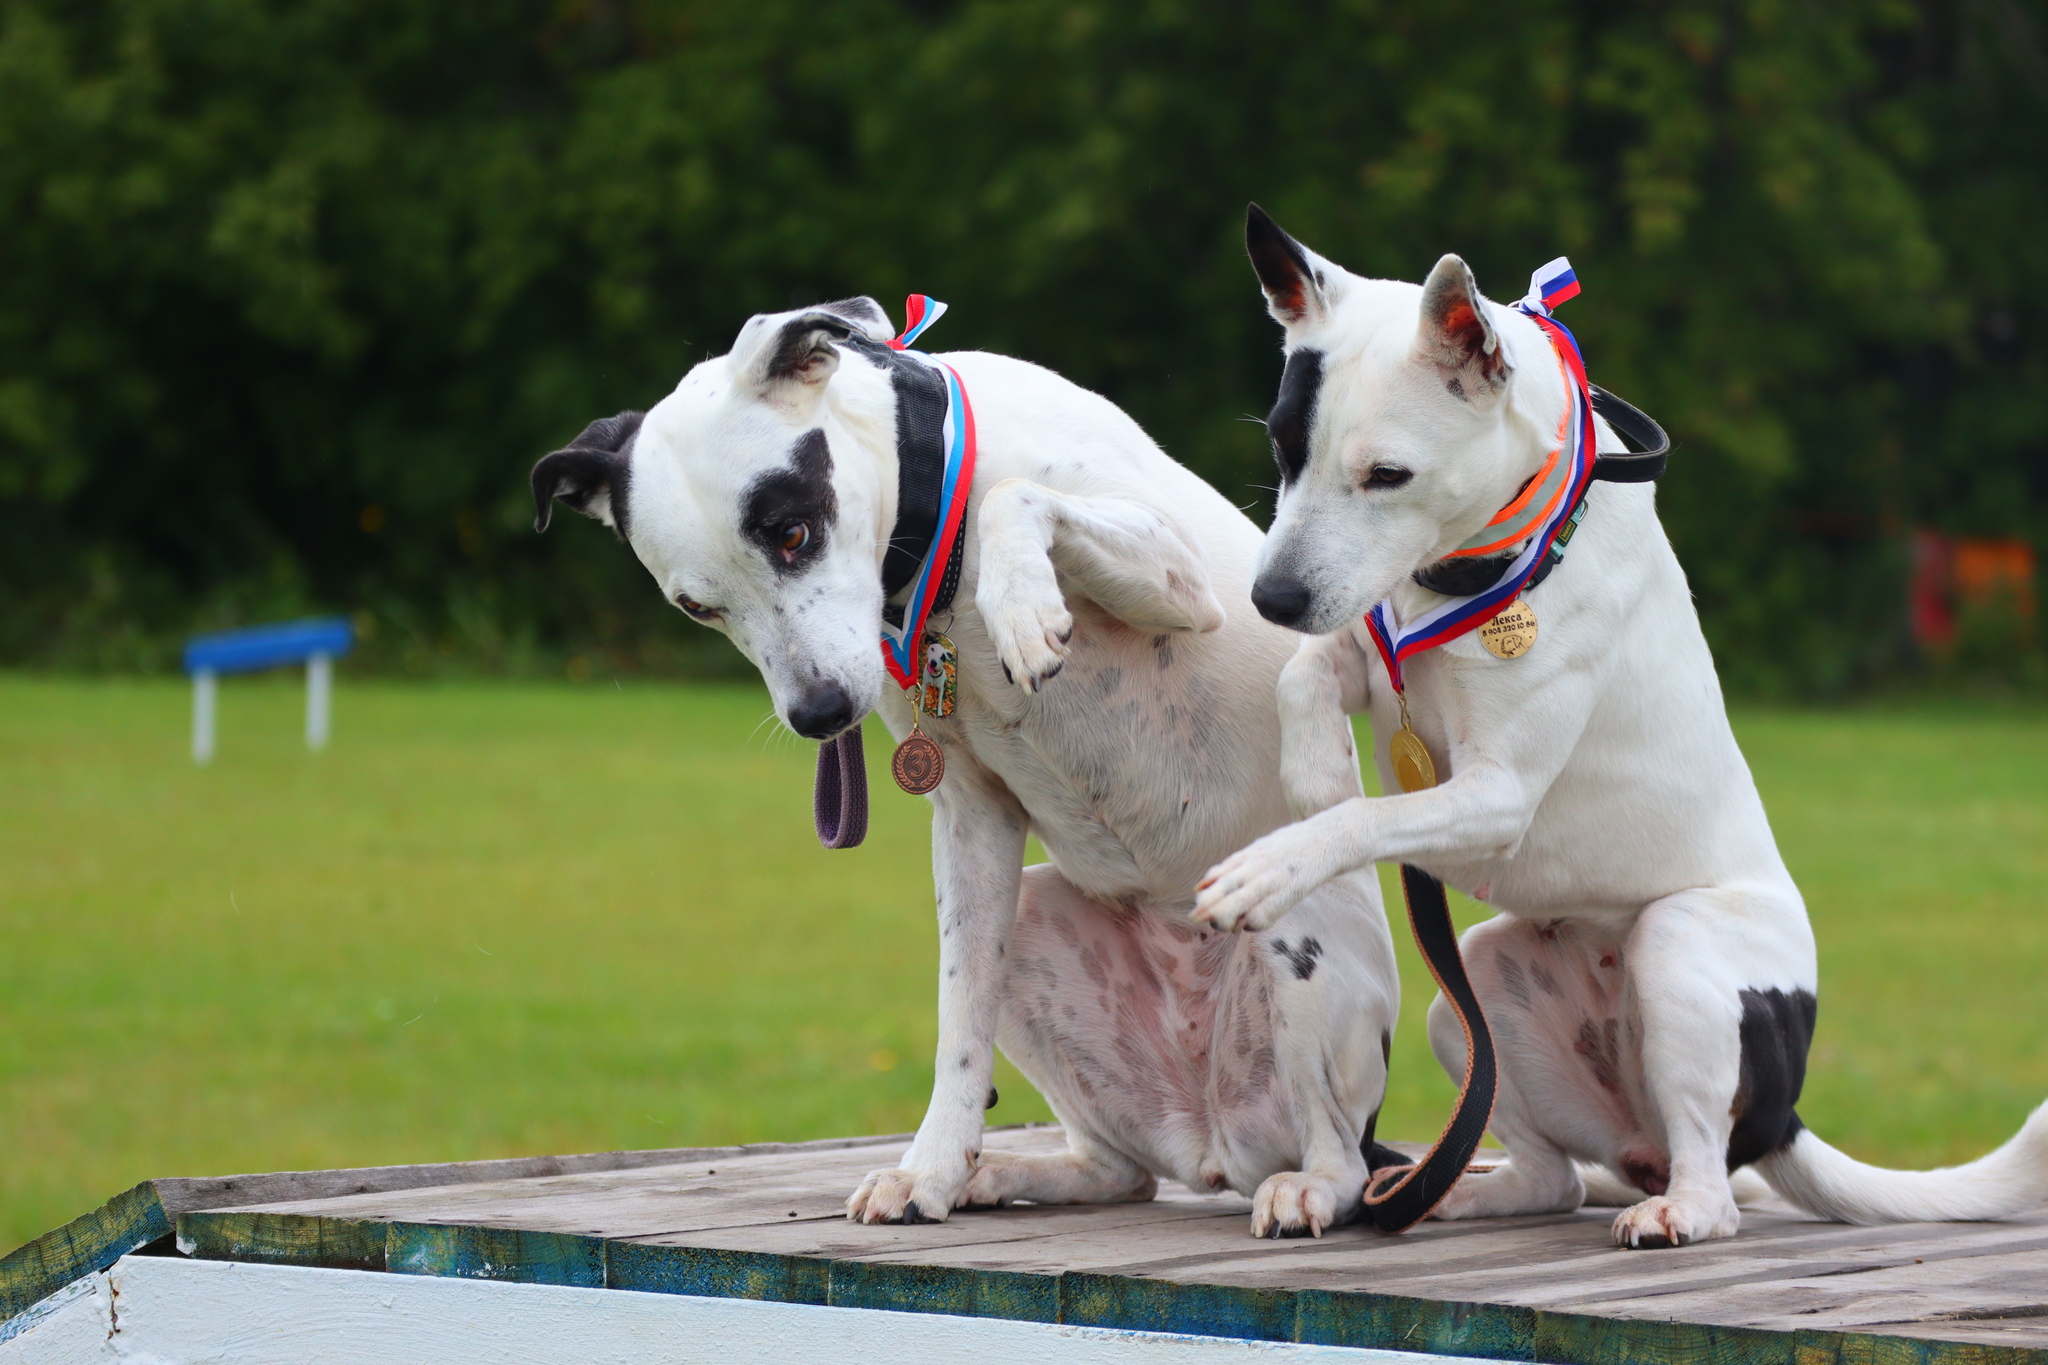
505 919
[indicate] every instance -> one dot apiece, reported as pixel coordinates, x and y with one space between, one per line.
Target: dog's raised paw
1292 1204
896 1196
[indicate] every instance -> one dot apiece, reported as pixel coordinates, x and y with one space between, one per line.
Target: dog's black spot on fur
1457 388
599 461
802 492
1293 415
1777 1030
992 1098
1301 958
1513 982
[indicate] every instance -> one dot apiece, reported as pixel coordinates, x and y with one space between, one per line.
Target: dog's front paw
1030 631
1293 1204
1255 886
1662 1221
898 1196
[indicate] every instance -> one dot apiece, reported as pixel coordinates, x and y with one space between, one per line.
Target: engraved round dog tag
1414 769
1512 633
919 764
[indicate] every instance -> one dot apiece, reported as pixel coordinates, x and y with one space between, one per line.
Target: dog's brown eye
1387 476
696 609
795 536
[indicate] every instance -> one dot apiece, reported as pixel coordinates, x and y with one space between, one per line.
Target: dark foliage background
291 294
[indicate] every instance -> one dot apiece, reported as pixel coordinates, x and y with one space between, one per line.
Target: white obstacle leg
319 689
203 690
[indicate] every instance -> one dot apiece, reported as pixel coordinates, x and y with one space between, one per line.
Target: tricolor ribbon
1546 505
900 644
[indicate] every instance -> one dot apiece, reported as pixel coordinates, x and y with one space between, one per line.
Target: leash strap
1399 1197
935 451
839 797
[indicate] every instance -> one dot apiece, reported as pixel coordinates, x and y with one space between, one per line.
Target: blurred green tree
293 293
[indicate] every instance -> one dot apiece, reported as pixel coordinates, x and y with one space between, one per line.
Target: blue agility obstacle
316 642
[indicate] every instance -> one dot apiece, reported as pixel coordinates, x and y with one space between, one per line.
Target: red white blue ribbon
901 645
1398 640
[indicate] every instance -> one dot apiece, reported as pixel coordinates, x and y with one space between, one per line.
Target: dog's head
746 495
1393 428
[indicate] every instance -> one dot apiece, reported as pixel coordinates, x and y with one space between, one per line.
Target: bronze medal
1512 633
919 765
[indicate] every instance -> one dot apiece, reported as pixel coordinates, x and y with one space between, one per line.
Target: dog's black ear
781 351
590 474
1291 274
1456 333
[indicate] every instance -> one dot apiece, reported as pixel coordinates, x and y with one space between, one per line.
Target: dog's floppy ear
590 473
785 351
1296 280
1456 333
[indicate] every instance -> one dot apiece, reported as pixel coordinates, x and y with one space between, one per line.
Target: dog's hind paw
897 1196
1662 1221
1293 1204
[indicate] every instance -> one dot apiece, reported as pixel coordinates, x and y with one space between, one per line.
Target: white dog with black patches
1650 975
1107 703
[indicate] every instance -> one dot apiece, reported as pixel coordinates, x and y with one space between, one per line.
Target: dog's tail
1828 1184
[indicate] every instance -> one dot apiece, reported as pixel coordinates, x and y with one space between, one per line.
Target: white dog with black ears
1107 702
1650 973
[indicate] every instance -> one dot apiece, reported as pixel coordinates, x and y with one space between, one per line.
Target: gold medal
1511 633
1414 769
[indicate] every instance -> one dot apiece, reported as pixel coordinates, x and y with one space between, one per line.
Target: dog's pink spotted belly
1160 1032
1558 996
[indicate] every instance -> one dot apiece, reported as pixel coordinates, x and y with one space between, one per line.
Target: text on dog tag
1512 633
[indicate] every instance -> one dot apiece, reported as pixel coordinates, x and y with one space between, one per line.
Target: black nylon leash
1399 1197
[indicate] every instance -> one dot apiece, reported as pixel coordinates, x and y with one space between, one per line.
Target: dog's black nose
1283 601
824 711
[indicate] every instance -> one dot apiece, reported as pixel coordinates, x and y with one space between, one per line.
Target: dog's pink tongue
839 800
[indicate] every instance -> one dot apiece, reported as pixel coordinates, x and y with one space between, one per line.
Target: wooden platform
767 1223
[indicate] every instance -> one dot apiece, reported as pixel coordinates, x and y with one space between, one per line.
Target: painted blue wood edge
129 1221
288 642
1355 1318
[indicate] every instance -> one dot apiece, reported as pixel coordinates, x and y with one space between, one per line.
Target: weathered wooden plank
1393 1322
1981 1287
148 1212
287 1239
712 1273
946 1289
768 1225
511 1254
134 1218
